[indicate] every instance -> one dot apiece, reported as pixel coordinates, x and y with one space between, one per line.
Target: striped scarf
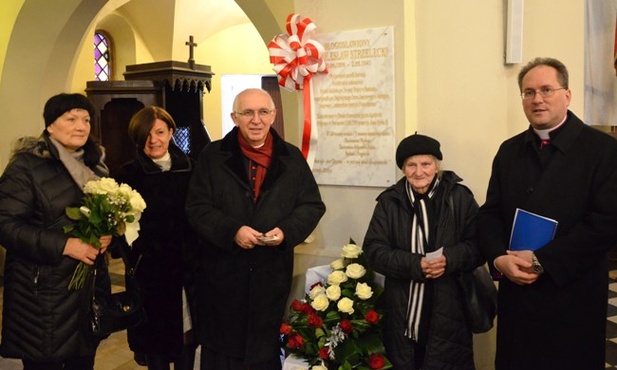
419 241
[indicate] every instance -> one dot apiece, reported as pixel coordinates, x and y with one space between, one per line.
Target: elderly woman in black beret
44 323
421 237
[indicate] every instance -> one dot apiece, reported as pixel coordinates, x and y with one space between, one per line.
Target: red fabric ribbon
296 58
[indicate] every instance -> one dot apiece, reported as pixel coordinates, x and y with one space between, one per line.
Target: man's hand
272 238
246 237
516 266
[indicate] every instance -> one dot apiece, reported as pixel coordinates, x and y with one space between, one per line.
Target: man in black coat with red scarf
252 198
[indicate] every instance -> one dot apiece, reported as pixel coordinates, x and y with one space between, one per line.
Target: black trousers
184 361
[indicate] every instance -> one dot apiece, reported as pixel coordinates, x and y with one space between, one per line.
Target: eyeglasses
544 92
249 113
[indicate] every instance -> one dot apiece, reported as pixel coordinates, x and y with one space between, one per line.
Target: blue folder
531 231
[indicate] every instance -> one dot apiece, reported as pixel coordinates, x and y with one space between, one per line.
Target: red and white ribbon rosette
296 58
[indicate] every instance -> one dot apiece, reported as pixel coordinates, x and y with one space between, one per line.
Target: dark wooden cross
191 45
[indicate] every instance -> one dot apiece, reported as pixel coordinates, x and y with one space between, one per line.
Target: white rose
131 196
345 305
320 303
351 251
137 202
319 367
364 291
355 271
337 277
337 264
317 290
333 292
125 190
104 185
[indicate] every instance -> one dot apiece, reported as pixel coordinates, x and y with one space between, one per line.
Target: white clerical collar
544 134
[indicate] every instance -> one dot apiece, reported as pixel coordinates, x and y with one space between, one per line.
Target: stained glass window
102 57
182 138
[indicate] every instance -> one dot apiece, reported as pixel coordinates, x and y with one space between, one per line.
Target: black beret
59 104
414 145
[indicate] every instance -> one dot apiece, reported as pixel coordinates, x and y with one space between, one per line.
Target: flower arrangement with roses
337 326
108 209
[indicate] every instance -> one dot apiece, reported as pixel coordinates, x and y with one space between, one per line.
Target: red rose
295 341
307 309
296 305
346 326
372 317
315 321
285 329
376 362
323 353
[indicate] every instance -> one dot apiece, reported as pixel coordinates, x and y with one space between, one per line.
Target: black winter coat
164 252
242 293
559 321
387 247
42 319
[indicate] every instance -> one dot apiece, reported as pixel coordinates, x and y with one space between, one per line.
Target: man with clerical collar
552 298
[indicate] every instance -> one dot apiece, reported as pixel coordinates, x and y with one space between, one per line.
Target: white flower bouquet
337 325
107 209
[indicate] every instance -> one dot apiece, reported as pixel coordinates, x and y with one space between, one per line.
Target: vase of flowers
337 325
107 209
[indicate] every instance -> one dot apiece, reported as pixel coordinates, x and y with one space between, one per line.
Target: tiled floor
611 323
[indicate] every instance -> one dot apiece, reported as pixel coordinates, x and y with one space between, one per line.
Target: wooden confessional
178 87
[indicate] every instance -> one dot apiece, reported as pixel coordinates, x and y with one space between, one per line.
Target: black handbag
479 299
115 312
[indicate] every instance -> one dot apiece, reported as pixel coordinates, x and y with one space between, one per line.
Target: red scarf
259 157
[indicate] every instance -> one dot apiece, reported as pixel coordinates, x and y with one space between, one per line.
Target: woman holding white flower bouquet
44 322
164 255
421 238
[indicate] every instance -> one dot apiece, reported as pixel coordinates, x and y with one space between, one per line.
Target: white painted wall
231 85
